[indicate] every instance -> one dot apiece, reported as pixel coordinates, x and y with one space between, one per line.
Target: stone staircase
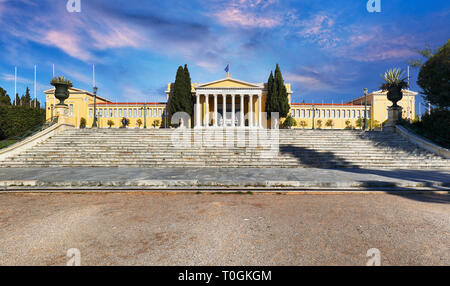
158 148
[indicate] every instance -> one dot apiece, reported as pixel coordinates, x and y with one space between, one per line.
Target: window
115 113
318 113
328 113
323 113
333 114
130 112
338 113
110 112
134 113
90 113
348 113
303 113
298 113
159 112
353 114
358 114
100 113
140 112
293 113
71 110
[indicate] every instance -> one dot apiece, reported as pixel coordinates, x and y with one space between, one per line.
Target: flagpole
35 96
15 86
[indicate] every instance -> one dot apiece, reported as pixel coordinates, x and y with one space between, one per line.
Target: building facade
230 102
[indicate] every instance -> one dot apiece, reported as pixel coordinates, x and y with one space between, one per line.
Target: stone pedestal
394 116
62 112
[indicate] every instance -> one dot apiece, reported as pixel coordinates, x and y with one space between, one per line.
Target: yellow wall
81 105
346 113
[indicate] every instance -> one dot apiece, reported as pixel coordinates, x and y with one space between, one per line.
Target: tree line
19 117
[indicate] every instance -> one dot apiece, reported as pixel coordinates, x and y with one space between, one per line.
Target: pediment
229 83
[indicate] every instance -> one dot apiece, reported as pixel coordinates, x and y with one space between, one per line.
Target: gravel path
213 229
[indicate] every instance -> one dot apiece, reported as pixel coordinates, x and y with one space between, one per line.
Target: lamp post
94 124
144 109
365 108
314 115
51 111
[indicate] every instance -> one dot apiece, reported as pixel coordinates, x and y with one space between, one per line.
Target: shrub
329 123
139 122
319 123
156 123
110 123
348 124
303 124
434 126
18 120
289 122
82 123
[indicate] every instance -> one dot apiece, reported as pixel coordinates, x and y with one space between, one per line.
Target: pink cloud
236 17
69 43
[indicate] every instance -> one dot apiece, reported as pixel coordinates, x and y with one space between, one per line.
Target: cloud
319 29
10 77
236 17
69 43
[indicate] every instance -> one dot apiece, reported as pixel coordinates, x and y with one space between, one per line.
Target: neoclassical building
229 103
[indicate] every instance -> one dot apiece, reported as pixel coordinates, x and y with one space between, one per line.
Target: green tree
16 101
319 123
181 98
82 123
25 100
4 97
289 122
329 123
277 96
434 78
303 124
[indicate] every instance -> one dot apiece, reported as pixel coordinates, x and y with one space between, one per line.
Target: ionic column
250 113
233 110
197 111
215 110
224 111
207 110
259 110
242 111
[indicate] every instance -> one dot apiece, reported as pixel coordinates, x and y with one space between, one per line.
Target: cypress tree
269 95
4 97
188 94
282 95
277 97
26 99
181 98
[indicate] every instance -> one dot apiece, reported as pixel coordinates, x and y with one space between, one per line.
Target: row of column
233 110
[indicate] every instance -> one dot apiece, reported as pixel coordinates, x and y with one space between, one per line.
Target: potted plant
82 123
393 84
62 86
110 123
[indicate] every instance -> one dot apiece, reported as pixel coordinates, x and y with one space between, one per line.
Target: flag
227 69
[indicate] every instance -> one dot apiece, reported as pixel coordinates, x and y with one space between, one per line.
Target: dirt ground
218 229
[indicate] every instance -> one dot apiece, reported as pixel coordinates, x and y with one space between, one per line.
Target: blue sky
328 50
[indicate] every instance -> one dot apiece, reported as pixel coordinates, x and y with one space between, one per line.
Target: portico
228 108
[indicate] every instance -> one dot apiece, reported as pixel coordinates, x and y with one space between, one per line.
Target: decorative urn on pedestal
62 86
393 84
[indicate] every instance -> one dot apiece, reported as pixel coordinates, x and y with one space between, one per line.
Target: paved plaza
301 178
218 229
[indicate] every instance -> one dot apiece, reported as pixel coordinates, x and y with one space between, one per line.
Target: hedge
16 121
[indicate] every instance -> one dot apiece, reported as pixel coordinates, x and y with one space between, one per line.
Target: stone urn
61 89
395 94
